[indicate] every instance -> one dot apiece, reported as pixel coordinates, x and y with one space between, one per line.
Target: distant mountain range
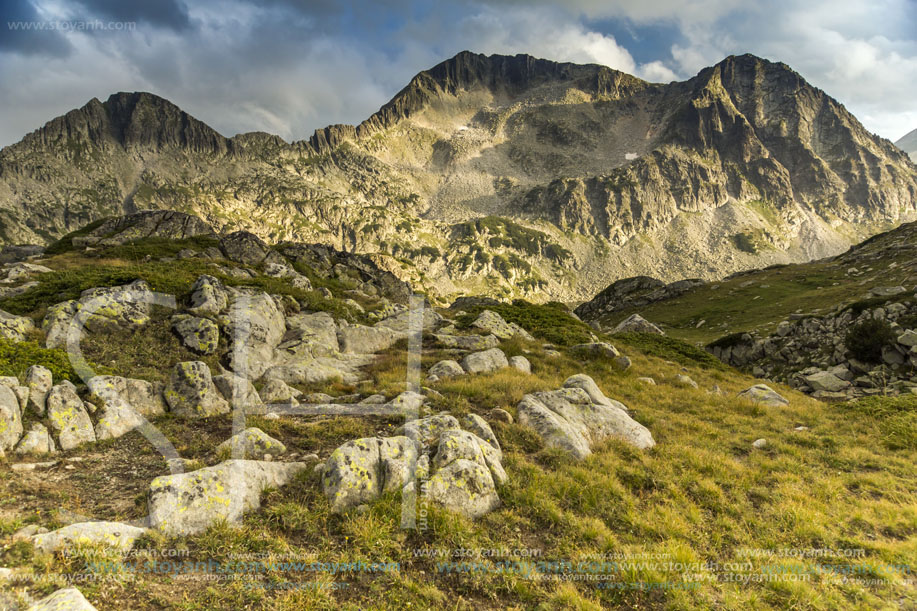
908 144
511 176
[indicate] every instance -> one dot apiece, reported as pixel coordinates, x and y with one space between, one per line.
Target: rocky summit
503 175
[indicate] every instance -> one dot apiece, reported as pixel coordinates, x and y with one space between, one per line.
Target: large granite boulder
765 395
255 329
572 420
68 417
15 328
486 361
637 324
10 419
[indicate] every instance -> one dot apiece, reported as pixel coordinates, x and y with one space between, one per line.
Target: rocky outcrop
635 292
191 392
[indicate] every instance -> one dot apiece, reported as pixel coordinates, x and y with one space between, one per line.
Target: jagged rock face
484 174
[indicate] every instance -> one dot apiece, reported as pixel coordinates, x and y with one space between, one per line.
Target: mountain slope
513 176
908 144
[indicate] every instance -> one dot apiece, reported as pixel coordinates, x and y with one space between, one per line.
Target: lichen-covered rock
15 328
68 599
361 470
252 443
144 397
191 392
485 361
190 503
113 534
37 440
117 307
637 324
446 369
360 339
308 336
276 391
56 323
491 322
570 420
208 296
464 486
520 363
118 418
401 322
479 427
38 379
68 417
255 329
239 392
425 431
10 419
765 395
200 335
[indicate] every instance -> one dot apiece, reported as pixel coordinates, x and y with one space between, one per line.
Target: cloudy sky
290 66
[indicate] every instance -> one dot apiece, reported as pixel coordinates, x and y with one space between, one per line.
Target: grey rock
520 363
360 339
602 349
37 440
67 599
199 335
446 369
467 342
10 419
15 328
190 503
239 392
208 296
68 417
256 327
191 392
254 443
765 395
486 361
824 380
112 534
685 380
637 324
146 398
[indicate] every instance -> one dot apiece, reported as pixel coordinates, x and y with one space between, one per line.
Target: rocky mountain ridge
908 144
512 176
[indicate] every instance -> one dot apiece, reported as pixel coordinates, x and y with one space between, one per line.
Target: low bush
866 340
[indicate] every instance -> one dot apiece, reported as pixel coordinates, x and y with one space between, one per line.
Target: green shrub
65 244
865 340
666 347
550 322
17 357
728 341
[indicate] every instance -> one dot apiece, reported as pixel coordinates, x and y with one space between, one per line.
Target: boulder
360 339
144 397
190 503
765 395
648 381
56 323
684 380
113 534
253 443
588 385
637 324
10 419
824 380
400 323
15 328
427 431
464 486
256 327
467 342
208 296
485 361
244 247
239 392
200 335
491 322
622 362
361 470
520 363
116 308
118 418
68 599
308 336
276 391
38 379
446 369
68 417
479 427
37 440
191 392
570 420
908 338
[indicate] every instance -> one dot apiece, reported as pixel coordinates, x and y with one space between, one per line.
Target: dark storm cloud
171 14
19 32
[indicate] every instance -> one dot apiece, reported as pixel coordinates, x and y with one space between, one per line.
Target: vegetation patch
866 340
17 357
670 348
550 321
